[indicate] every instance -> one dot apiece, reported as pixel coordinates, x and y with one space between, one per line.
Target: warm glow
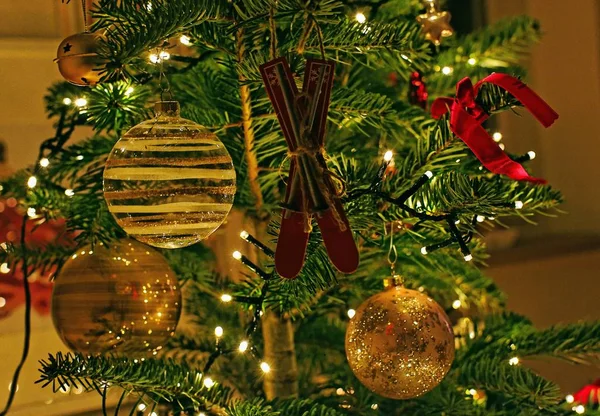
447 70
208 382
81 102
514 361
237 255
164 55
2 302
518 204
243 346
480 218
579 409
351 313
31 212
129 91
472 61
226 298
69 192
424 251
185 40
429 174
44 162
243 234
32 181
360 17
468 257
219 332
265 367
570 398
153 58
456 304
67 101
531 154
497 136
388 156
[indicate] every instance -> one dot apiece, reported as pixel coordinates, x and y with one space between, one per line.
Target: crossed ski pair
310 189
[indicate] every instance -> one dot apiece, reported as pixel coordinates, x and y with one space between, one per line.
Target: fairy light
497 136
243 346
374 406
69 192
265 367
44 162
141 407
129 91
472 61
32 182
513 361
65 388
243 235
4 269
424 251
351 313
81 102
468 257
531 154
456 304
226 298
31 212
360 17
2 302
502 146
67 101
447 70
457 222
480 218
219 332
164 55
153 414
518 204
185 40
79 157
208 382
429 174
580 409
570 398
388 156
237 255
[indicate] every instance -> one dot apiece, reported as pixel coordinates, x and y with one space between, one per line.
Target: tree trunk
280 354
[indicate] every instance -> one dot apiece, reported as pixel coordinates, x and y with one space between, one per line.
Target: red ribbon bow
466 117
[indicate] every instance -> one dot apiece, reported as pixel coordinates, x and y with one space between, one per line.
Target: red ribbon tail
441 106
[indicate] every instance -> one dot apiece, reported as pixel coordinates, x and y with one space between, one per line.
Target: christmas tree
407 182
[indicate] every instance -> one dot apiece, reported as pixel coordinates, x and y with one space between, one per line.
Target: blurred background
549 271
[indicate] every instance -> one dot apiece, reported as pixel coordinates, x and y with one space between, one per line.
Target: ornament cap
167 108
393 281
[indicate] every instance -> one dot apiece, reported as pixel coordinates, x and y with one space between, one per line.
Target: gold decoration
400 343
435 23
169 182
122 299
77 58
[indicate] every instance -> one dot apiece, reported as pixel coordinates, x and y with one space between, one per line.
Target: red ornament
417 93
589 395
466 117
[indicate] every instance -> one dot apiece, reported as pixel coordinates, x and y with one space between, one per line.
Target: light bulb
456 304
219 332
518 204
237 255
31 212
514 361
497 136
129 91
580 409
472 61
480 218
226 298
531 154
447 70
265 367
32 181
154 58
243 234
69 192
360 17
185 40
164 55
67 101
501 146
208 382
388 156
81 102
424 251
468 257
243 346
570 398
429 174
44 162
351 313
2 302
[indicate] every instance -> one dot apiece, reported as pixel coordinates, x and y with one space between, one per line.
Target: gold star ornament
435 23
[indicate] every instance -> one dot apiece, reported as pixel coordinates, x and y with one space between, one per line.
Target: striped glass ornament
169 182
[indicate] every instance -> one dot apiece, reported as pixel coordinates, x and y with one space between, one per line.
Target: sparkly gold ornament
122 299
435 23
78 60
399 344
169 182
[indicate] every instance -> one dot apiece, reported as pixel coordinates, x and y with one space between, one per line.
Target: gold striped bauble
169 182
122 299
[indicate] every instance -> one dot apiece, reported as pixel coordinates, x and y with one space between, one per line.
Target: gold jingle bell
78 60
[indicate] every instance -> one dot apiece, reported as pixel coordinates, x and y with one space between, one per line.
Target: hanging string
163 77
84 7
273 32
320 38
392 252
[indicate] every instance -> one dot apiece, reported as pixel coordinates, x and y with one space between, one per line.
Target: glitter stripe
164 174
172 207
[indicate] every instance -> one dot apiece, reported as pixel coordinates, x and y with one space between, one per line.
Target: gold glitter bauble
77 58
400 343
435 24
122 299
169 182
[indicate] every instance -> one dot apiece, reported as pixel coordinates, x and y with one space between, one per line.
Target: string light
513 361
429 174
374 406
185 40
531 154
424 251
447 70
32 182
129 91
219 332
67 101
468 257
236 255
31 212
456 304
570 398
153 414
340 391
480 218
79 157
243 235
4 269
69 192
388 156
472 61
2 302
360 17
497 136
44 162
164 55
518 204
243 346
265 367
226 298
580 409
501 146
81 102
208 382
351 313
